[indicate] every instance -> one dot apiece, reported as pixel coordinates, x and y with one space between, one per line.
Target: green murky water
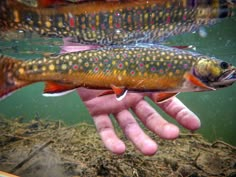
216 109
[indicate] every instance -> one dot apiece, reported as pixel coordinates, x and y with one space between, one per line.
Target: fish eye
224 65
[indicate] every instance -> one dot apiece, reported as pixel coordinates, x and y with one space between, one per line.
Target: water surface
216 109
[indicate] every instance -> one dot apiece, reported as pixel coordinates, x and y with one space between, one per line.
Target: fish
5 174
40 3
114 23
139 68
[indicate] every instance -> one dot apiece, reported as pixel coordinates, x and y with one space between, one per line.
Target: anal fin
162 97
106 92
53 89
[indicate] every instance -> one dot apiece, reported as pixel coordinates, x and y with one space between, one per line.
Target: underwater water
216 109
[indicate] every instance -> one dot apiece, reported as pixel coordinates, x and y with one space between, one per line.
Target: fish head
215 73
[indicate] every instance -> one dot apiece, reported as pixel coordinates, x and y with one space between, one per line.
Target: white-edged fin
119 91
5 96
122 96
162 97
5 174
58 93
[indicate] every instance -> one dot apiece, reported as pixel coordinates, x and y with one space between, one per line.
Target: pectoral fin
53 89
162 97
195 81
119 91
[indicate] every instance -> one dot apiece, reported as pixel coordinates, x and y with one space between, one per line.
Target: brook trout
153 68
114 23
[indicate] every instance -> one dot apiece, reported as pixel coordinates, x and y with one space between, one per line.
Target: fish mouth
227 79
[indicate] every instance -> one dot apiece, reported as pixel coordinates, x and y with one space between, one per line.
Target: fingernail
149 147
116 147
170 131
191 123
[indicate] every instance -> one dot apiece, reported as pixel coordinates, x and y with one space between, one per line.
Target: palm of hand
101 107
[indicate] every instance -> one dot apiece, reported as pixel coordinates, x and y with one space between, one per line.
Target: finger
176 109
154 121
106 131
108 104
135 134
88 94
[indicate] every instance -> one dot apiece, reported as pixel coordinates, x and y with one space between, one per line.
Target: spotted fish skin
115 23
134 68
141 69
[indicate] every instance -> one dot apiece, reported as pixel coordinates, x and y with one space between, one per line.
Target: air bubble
202 32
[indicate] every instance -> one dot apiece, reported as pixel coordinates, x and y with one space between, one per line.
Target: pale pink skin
101 107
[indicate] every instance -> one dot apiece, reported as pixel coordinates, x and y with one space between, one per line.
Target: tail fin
4 17
8 80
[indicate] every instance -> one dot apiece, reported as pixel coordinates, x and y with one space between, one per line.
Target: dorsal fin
70 46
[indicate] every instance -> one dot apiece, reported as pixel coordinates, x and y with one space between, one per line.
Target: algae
43 148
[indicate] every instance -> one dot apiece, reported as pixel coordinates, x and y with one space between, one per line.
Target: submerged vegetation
51 148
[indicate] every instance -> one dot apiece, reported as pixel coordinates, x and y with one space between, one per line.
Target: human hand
101 107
